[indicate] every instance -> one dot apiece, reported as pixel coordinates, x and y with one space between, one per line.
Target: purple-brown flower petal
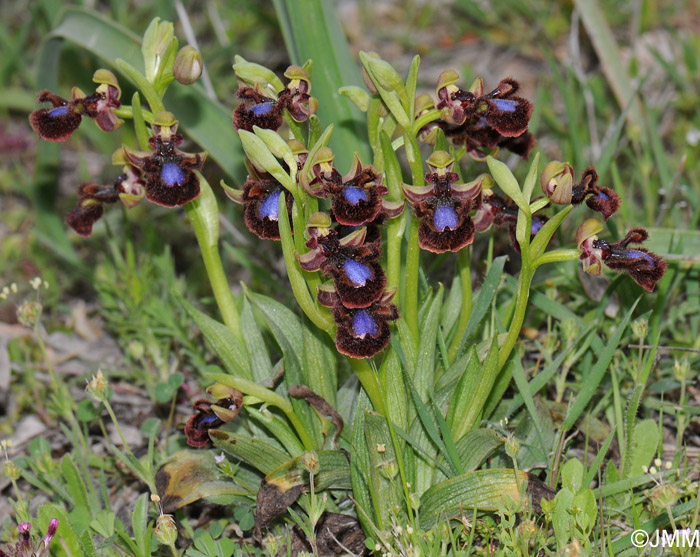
256 110
211 416
57 123
362 333
645 268
84 216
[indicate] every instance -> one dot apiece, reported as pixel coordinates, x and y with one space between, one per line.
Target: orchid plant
354 243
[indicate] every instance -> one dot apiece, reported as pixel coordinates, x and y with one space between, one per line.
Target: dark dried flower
212 415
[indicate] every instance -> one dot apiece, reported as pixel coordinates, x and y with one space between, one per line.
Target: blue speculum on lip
354 195
172 174
536 226
363 324
602 195
357 272
635 253
58 111
445 217
208 420
270 207
505 105
262 108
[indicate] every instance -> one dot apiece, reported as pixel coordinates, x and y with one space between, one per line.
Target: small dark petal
635 236
84 216
103 194
509 117
55 124
605 201
353 296
506 89
198 426
521 145
158 192
587 185
429 238
645 268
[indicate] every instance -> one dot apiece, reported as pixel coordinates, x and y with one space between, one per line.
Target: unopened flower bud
166 530
188 65
11 470
309 461
97 387
28 314
389 469
640 328
557 182
512 447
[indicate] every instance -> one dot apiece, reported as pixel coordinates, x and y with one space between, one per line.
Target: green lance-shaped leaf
230 350
484 490
261 455
472 392
507 182
259 153
357 95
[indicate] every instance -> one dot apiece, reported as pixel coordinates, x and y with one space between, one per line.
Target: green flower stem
318 316
395 230
426 118
127 112
413 155
203 214
145 86
516 323
465 281
556 256
267 396
370 383
411 285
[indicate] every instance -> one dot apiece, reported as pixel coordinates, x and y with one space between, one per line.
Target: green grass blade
312 31
596 374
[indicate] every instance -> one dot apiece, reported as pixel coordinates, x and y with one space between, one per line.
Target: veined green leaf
484 490
226 346
261 455
476 446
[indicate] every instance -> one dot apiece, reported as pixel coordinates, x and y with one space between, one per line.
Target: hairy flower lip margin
644 267
170 180
361 332
359 279
444 206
